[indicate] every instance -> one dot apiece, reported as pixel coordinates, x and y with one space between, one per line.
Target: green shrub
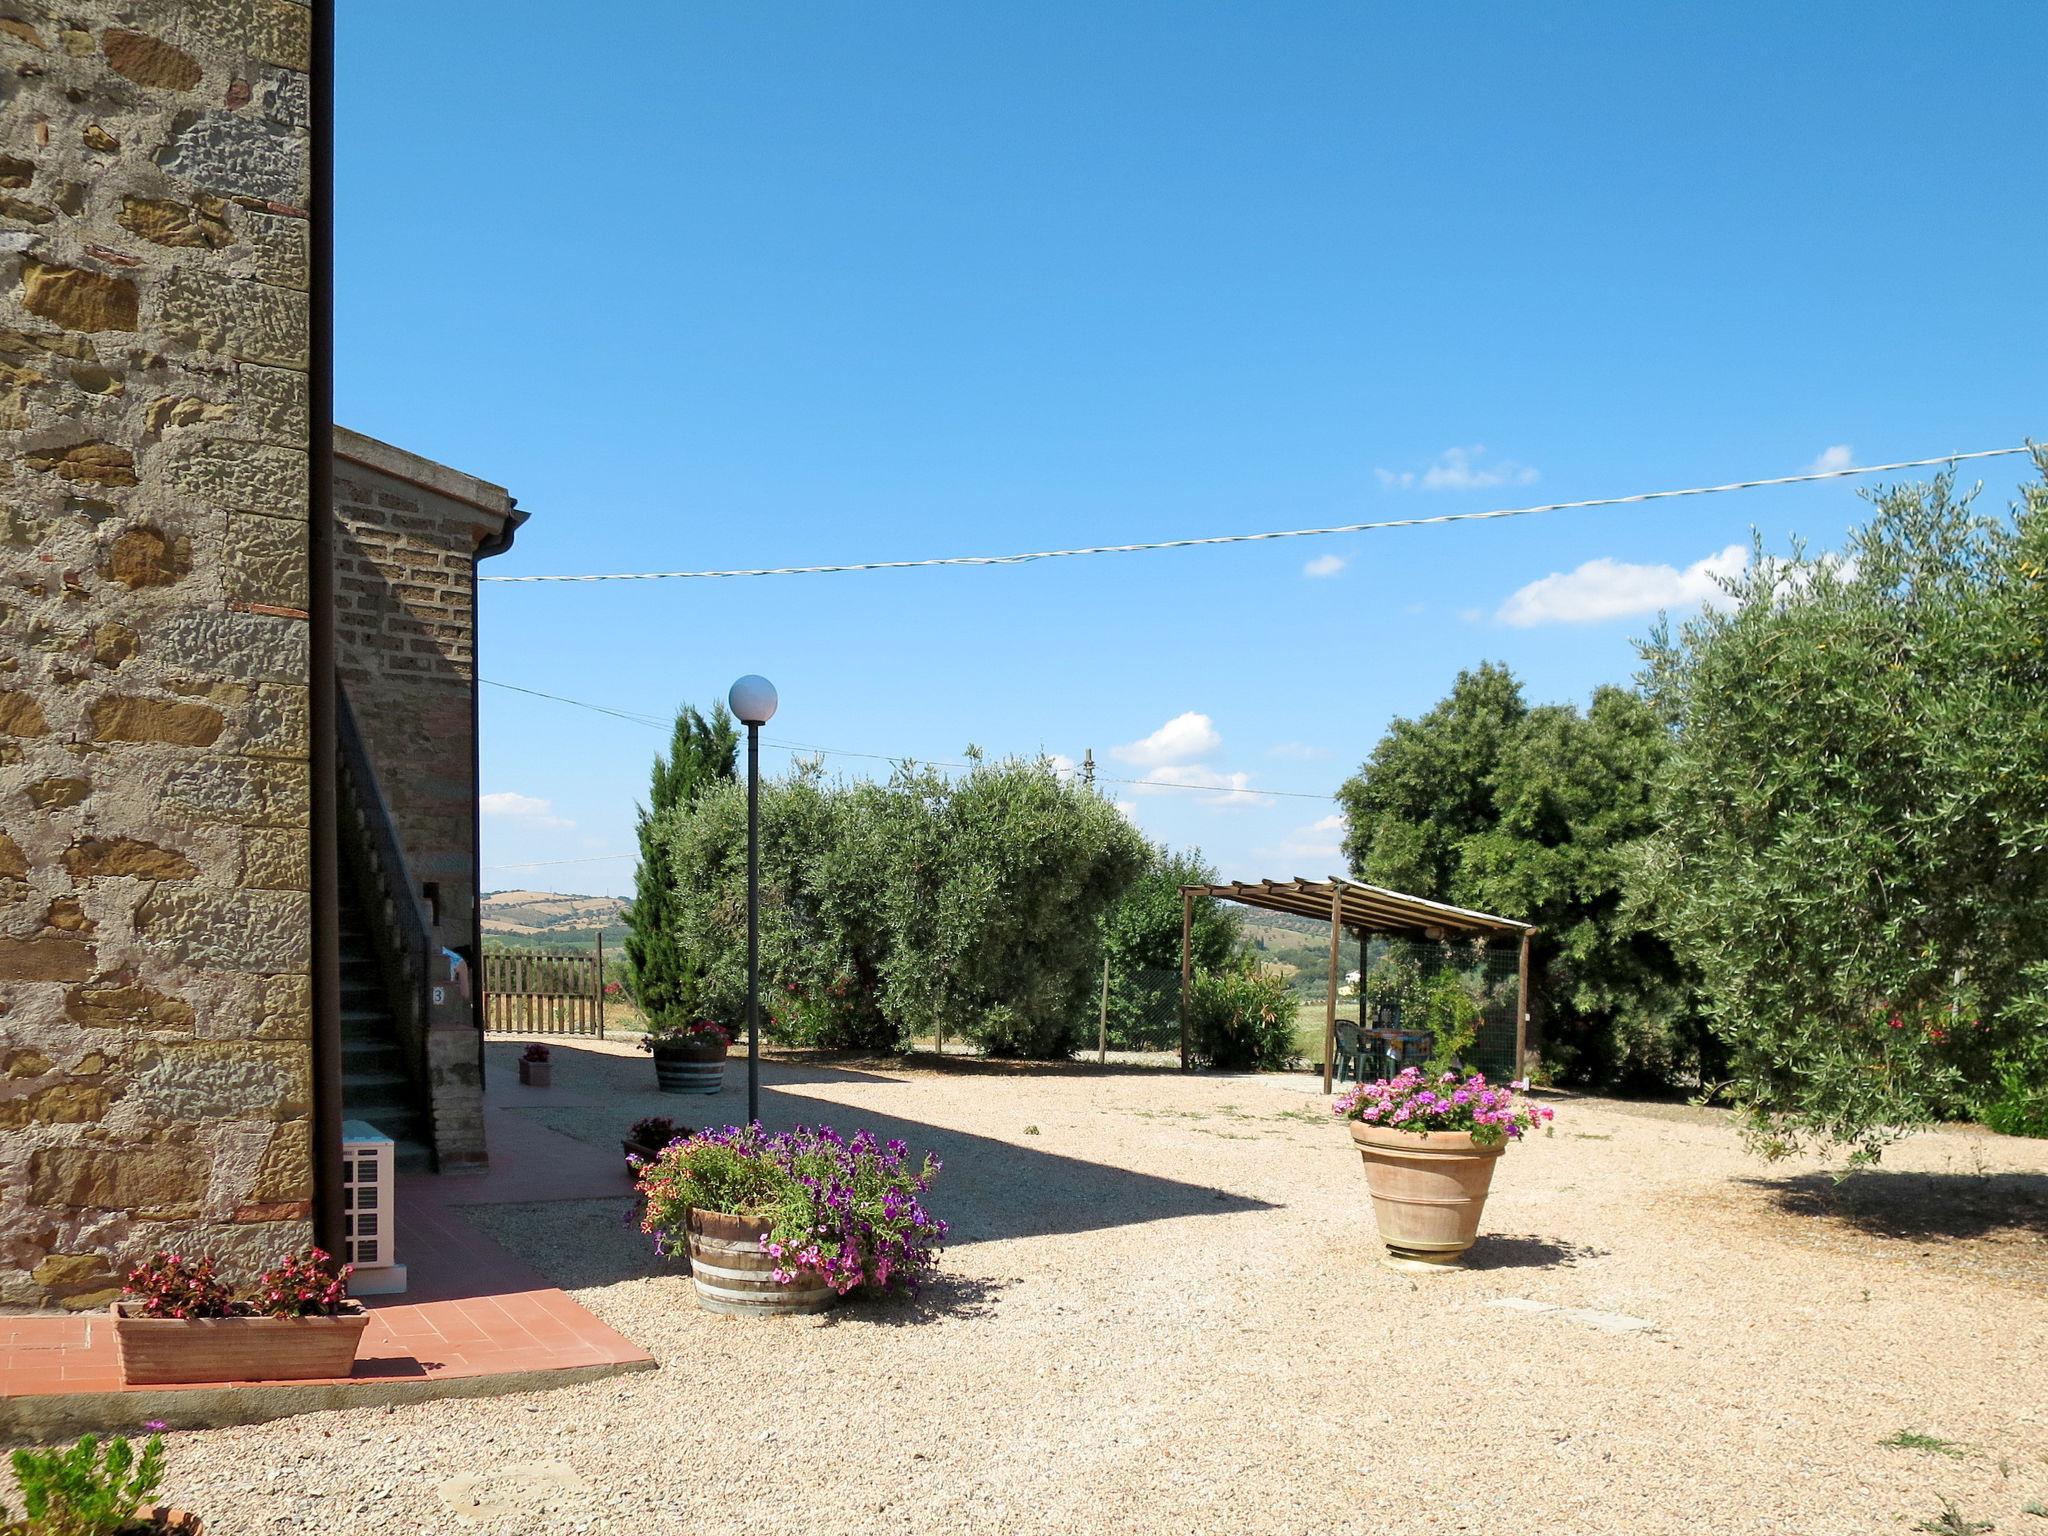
1452 1019
1241 1018
2016 1104
87 1490
970 907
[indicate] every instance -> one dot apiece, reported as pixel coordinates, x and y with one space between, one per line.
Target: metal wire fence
1401 976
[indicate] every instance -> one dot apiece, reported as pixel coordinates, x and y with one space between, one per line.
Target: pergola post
1330 1007
1522 1008
1187 966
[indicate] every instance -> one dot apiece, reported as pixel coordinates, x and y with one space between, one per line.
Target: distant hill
551 920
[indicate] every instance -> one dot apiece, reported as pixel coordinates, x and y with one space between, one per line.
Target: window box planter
689 1066
158 1351
734 1277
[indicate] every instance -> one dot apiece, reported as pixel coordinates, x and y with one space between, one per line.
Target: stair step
373 1080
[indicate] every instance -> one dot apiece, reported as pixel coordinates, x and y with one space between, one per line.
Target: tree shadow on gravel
988 1191
1916 1207
1528 1252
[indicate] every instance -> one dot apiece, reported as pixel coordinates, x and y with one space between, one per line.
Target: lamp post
753 703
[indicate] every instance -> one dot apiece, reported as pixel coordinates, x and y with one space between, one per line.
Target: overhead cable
1146 547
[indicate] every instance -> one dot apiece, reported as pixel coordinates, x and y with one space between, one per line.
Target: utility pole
1088 768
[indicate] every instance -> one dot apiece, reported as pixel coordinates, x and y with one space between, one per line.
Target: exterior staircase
375 1085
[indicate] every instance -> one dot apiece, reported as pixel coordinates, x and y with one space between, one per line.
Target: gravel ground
1164 1311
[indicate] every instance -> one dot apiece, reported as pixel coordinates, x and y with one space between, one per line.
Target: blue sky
712 285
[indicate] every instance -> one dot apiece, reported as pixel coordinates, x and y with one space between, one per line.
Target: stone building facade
156 1056
408 535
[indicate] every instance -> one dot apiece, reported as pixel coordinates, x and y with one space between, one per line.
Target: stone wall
155 1036
408 534
406 542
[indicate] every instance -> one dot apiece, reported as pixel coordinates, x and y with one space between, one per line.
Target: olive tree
970 906
1854 820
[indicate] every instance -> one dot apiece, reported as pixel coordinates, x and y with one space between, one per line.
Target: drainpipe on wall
495 544
324 803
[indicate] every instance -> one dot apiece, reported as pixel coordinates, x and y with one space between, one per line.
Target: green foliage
1451 1015
1241 1018
1393 979
1952 1522
1855 832
2016 1102
88 1490
1538 814
1141 940
823 928
702 753
997 904
969 906
1915 1440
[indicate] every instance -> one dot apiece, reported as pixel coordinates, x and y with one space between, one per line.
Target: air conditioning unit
369 1201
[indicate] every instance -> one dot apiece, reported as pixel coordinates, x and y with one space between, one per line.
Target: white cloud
1459 469
1184 737
530 809
1233 789
1061 763
1837 457
1315 849
1325 565
1298 752
1129 809
1612 589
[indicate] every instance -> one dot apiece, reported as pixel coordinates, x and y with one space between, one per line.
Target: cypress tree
701 752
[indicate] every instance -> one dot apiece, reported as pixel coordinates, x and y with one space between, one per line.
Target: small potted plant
94 1490
1429 1142
789 1222
689 1057
182 1323
646 1138
537 1066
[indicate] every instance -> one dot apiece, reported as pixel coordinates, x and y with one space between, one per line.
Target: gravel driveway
1163 1311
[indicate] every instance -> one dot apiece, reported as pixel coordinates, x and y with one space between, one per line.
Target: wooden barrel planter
733 1276
156 1351
1428 1189
689 1068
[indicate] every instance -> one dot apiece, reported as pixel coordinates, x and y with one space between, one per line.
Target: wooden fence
544 992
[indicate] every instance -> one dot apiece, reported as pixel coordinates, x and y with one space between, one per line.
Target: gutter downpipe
324 801
494 544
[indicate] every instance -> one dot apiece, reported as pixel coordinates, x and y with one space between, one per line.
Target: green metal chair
1351 1053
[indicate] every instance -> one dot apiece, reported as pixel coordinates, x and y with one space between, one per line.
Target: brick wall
155 1040
407 538
406 541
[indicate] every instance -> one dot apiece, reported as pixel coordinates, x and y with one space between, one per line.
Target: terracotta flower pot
155 1351
537 1074
733 1276
1428 1188
689 1066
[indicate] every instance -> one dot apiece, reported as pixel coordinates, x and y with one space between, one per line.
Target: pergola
1365 910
